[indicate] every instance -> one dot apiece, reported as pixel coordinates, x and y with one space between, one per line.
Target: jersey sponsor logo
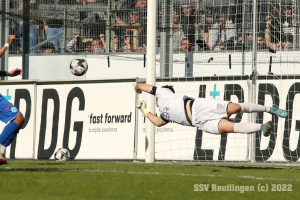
219 106
14 109
166 113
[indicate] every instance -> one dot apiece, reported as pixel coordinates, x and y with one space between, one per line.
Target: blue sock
8 133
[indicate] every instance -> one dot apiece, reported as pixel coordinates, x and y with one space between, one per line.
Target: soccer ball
78 67
62 154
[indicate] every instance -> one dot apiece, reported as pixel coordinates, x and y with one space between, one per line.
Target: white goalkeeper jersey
172 106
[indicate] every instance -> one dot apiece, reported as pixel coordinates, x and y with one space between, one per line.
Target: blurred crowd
217 28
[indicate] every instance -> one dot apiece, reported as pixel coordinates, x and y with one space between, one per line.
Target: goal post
254 74
150 79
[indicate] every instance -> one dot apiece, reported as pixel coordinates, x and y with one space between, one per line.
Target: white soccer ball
78 67
62 154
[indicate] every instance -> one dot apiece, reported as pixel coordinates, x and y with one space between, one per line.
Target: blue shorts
7 110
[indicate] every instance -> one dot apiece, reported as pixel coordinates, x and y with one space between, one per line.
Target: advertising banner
92 120
22 95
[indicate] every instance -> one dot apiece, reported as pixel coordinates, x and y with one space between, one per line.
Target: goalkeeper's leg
226 126
234 108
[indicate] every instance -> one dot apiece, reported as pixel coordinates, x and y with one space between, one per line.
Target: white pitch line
182 174
270 179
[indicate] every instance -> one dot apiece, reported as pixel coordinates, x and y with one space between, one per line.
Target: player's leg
234 108
12 129
226 126
8 134
10 115
19 119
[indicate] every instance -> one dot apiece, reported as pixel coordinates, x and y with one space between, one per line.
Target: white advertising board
93 120
22 96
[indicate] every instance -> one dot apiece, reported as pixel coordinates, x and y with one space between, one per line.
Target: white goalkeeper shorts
207 113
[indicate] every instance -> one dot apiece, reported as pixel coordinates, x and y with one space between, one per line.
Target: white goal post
151 69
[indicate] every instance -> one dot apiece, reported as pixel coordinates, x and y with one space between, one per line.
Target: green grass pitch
23 179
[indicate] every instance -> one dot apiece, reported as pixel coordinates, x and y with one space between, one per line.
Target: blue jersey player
9 114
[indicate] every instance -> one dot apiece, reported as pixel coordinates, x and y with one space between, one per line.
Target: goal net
213 40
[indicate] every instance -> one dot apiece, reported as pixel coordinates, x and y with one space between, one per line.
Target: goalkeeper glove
137 91
142 107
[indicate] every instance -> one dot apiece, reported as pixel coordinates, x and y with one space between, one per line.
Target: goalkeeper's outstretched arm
139 87
157 121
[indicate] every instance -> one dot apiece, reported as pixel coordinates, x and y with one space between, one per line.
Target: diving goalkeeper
209 115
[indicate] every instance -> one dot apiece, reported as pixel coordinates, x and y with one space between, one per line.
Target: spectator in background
126 4
48 48
141 6
85 2
133 30
33 29
53 26
271 34
287 26
272 28
222 35
123 6
95 24
136 43
134 23
79 44
207 27
127 46
247 42
187 44
103 42
87 43
97 46
73 45
14 28
188 19
91 45
287 45
178 33
115 41
260 41
14 4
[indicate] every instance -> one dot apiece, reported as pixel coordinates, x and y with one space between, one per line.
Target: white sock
245 127
2 149
252 107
